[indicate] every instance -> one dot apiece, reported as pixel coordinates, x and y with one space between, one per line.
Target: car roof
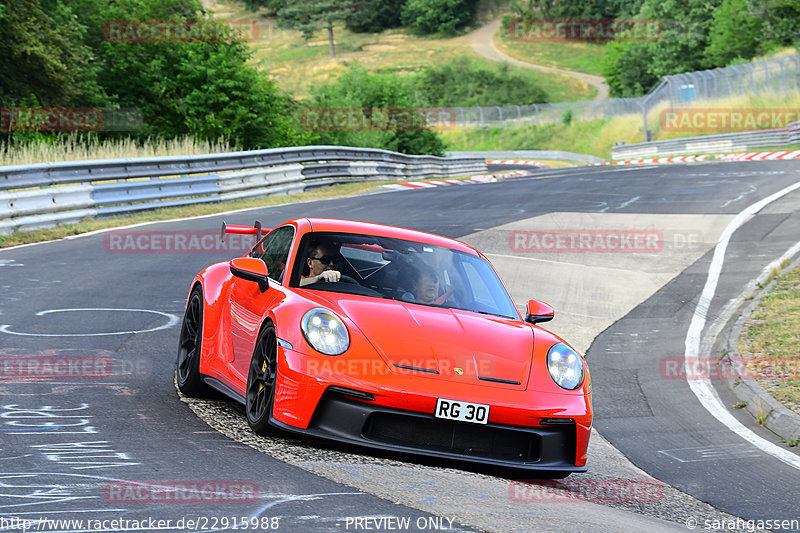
380 230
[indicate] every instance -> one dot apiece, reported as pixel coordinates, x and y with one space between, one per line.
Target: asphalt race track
93 443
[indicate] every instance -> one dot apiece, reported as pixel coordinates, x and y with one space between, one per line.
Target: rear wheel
189 347
261 380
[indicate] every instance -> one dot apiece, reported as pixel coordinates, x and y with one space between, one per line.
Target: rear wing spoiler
256 229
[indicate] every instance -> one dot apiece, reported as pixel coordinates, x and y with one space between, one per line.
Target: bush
462 82
358 92
627 67
438 16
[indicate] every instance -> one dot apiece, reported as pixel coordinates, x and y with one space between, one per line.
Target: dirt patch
379 47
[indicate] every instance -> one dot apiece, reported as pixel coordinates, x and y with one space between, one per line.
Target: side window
276 251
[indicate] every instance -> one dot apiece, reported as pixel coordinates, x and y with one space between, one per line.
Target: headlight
565 366
325 332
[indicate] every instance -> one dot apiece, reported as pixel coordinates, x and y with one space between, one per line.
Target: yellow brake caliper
263 369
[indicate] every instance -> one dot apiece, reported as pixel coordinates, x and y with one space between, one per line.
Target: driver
323 264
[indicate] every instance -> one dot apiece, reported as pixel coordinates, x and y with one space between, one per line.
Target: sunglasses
327 259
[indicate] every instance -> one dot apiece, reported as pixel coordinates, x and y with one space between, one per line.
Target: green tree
205 91
444 16
735 33
627 67
361 94
781 22
309 16
43 56
585 9
637 66
54 53
373 16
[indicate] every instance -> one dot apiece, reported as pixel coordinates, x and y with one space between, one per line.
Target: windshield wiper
490 314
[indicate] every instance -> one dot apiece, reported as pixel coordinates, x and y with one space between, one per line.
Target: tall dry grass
76 147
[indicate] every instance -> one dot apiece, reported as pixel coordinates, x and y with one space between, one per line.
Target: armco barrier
49 194
726 142
530 154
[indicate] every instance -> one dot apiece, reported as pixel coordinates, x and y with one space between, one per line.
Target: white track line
702 388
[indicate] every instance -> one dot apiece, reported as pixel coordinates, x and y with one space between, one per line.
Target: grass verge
596 137
580 57
770 338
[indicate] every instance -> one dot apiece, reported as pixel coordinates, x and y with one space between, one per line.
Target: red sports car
389 338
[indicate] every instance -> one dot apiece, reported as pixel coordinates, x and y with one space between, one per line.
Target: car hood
439 343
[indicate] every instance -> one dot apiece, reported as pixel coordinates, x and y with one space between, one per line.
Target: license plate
464 411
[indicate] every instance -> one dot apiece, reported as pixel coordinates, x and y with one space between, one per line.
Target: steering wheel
443 298
348 279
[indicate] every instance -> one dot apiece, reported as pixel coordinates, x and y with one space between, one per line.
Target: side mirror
251 269
539 312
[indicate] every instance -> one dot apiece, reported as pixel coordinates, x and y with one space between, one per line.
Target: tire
189 347
261 379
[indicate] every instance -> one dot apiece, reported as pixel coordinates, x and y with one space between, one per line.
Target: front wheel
189 347
261 380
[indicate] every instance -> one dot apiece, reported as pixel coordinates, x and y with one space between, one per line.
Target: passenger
322 263
425 286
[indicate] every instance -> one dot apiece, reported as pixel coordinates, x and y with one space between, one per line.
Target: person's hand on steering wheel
330 276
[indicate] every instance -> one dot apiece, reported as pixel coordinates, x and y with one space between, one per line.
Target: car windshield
403 270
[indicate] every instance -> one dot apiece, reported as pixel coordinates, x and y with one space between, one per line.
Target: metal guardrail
530 154
725 142
49 194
